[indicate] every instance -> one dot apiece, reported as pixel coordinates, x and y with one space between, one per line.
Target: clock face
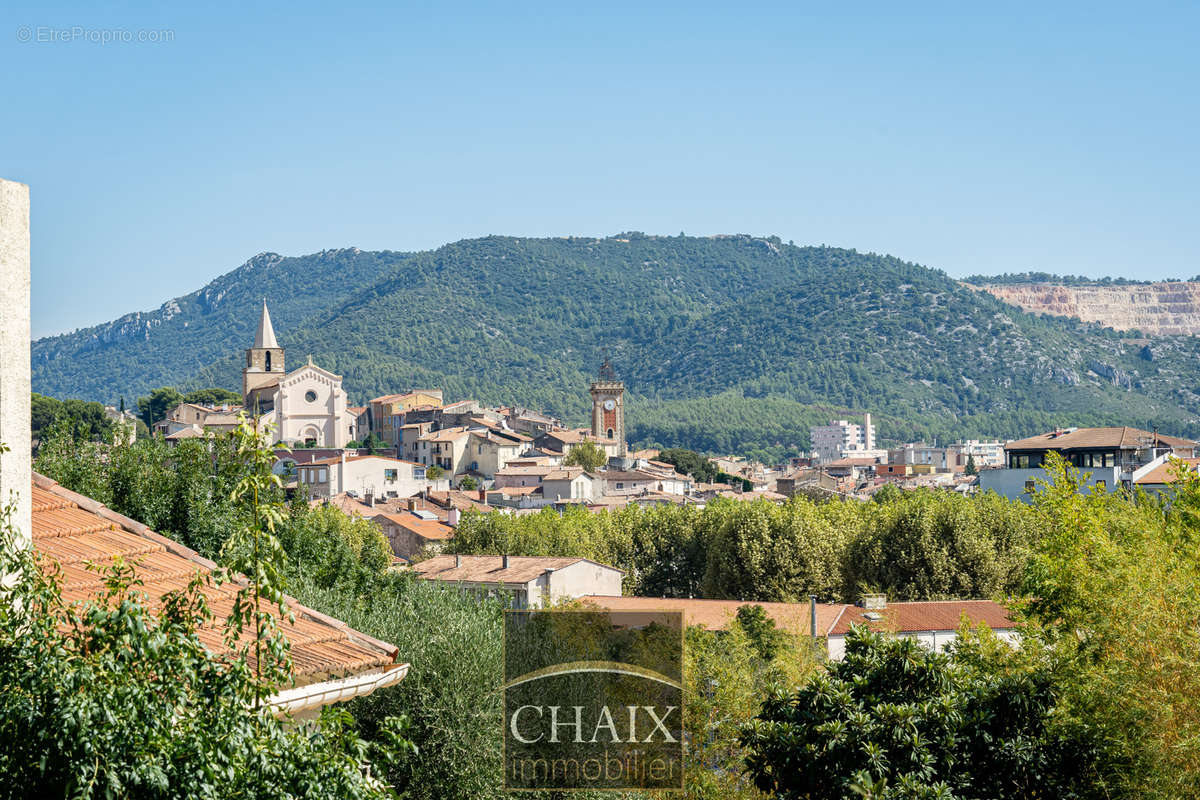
609 405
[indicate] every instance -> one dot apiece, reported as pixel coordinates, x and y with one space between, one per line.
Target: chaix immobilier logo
593 700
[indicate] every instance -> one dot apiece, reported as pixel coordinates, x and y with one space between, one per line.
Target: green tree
468 483
894 720
586 454
972 468
433 472
155 406
86 418
107 699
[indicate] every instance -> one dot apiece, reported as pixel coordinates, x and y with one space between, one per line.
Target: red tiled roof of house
517 491
338 460
533 469
934 615
1114 437
565 474
490 569
1166 473
73 530
456 498
716 614
833 619
427 528
446 435
851 462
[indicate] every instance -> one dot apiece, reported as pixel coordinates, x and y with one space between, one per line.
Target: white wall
1010 483
581 579
931 640
15 476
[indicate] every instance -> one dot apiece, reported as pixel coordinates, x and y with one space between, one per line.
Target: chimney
412 504
457 561
868 438
504 563
812 614
15 465
483 495
452 517
370 498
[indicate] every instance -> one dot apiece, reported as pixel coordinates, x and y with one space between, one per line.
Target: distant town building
933 624
608 408
1112 458
364 475
529 581
305 406
844 439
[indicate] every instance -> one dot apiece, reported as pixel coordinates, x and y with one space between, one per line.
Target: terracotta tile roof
456 498
937 615
539 469
427 528
716 614
73 530
833 619
356 410
774 497
565 474
1165 473
185 433
503 438
637 477
517 491
490 569
338 460
851 462
1122 437
446 435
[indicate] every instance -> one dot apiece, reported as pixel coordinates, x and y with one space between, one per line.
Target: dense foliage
920 546
109 698
88 418
727 344
1102 698
893 721
587 455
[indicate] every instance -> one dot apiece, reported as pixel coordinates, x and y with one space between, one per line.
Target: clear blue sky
1001 139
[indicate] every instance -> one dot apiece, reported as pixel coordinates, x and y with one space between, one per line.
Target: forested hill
727 344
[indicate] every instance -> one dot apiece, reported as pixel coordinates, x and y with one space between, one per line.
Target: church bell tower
608 406
264 361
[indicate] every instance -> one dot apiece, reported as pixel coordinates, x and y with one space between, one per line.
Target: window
610 433
620 486
389 475
268 361
321 475
1102 485
310 396
1029 486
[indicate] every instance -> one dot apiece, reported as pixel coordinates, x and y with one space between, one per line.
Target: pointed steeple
265 337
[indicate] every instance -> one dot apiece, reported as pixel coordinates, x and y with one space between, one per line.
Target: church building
304 406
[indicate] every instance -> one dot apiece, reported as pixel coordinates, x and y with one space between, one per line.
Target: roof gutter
339 690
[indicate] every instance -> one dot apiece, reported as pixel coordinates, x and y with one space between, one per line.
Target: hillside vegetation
726 344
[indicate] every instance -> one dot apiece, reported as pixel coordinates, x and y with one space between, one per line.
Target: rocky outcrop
1156 309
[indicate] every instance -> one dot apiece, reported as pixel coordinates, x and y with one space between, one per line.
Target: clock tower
608 407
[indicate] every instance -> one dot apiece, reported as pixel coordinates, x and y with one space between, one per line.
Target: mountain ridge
732 343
